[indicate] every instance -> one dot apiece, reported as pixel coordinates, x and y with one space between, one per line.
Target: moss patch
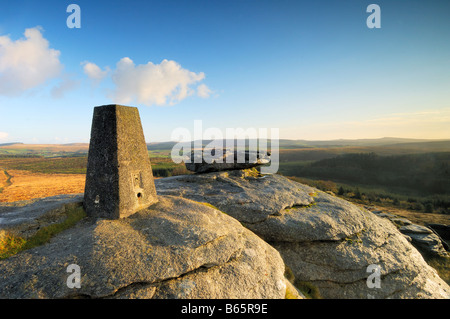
355 238
308 289
290 294
300 206
212 206
253 172
288 274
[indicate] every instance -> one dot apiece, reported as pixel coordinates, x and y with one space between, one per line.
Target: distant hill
385 141
388 145
433 146
20 148
8 144
391 142
161 145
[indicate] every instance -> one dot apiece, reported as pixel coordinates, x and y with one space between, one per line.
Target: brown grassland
24 178
24 185
420 218
3 178
74 147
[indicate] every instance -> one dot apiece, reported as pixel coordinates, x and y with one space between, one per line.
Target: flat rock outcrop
425 239
224 159
25 218
325 241
242 194
176 248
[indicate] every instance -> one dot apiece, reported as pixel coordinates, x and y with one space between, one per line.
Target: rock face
425 239
25 218
176 248
325 241
240 193
225 159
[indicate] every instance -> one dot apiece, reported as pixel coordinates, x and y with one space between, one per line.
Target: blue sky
313 69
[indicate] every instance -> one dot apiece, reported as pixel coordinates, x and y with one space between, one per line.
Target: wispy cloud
3 135
203 91
27 63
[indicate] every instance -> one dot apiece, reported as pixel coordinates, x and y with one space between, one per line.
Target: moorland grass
11 244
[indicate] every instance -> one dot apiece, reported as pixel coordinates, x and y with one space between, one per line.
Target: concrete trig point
119 178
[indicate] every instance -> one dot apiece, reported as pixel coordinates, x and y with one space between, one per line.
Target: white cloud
203 91
27 63
94 72
3 135
162 84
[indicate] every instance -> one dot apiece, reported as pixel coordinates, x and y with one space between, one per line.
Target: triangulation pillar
119 178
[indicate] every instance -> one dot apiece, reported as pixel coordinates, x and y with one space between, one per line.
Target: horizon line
281 139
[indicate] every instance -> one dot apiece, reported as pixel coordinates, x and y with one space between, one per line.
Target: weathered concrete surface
119 178
176 248
324 240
